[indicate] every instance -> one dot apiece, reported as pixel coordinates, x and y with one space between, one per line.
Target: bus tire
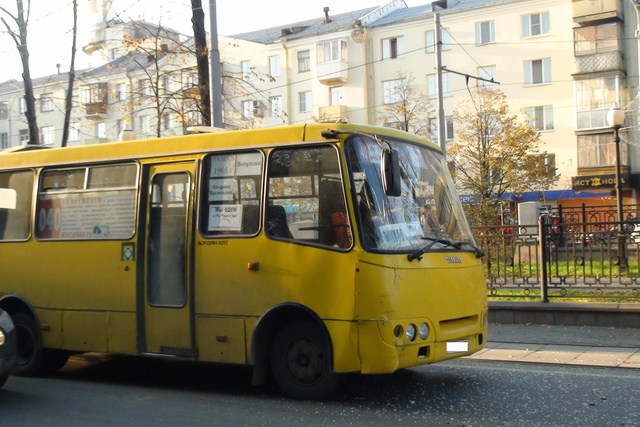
301 361
3 379
29 350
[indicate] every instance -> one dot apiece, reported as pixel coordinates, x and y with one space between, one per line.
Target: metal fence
570 253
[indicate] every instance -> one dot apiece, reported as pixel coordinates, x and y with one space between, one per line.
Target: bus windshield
428 210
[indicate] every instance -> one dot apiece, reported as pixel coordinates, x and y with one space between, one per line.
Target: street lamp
615 118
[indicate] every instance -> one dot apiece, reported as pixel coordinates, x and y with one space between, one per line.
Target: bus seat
276 222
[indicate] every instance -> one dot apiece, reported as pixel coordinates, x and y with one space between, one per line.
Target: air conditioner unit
258 109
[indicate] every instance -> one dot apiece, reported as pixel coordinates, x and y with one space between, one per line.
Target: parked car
630 229
7 346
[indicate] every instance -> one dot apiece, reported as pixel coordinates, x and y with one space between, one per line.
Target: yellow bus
305 251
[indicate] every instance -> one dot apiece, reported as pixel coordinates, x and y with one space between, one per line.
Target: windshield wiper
418 254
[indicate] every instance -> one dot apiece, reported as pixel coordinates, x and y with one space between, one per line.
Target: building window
305 99
548 161
430 40
485 32
145 126
251 109
24 136
433 128
75 99
393 90
167 121
331 51
101 130
122 91
536 24
432 85
392 48
275 106
304 61
167 82
74 131
4 110
489 73
46 102
537 71
189 79
541 118
594 98
94 93
274 66
336 95
48 135
145 87
595 39
599 151
246 69
4 140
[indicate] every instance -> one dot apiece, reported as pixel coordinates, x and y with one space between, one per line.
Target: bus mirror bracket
390 165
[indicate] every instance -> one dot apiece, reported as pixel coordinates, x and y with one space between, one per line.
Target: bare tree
72 74
19 36
406 109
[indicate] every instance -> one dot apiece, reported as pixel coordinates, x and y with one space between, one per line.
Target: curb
617 315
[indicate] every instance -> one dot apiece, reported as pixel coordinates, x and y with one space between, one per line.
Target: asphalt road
149 392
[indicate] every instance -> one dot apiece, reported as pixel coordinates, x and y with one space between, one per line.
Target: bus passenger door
167 313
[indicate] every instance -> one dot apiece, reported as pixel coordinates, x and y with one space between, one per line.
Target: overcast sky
51 22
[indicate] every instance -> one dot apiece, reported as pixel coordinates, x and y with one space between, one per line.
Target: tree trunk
202 58
72 75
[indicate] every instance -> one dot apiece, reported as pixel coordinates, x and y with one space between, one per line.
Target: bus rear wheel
3 379
301 361
29 350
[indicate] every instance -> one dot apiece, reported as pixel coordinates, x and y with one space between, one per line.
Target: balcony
332 73
333 114
95 110
606 61
94 99
595 10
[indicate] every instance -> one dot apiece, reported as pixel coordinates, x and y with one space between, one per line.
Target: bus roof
186 144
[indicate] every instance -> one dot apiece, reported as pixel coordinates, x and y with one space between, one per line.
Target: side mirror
390 165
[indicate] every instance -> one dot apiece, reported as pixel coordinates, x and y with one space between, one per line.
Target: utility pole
216 75
442 136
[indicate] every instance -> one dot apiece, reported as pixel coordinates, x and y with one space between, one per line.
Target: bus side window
231 194
15 215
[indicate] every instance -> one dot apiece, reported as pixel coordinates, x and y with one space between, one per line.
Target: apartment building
561 64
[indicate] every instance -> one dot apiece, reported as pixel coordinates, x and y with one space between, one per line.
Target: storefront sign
585 182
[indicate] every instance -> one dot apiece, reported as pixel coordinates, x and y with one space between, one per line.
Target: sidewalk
570 345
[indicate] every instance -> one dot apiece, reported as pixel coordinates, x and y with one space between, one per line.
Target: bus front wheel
301 361
29 350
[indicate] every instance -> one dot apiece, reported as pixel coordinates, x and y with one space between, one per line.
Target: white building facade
563 64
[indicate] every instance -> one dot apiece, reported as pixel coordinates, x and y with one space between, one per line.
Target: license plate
458 346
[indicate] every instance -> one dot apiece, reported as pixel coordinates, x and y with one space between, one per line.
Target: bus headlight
424 330
411 332
1 337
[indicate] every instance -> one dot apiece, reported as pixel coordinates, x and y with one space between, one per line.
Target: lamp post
615 118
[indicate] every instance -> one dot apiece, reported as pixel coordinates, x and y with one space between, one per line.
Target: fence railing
563 257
